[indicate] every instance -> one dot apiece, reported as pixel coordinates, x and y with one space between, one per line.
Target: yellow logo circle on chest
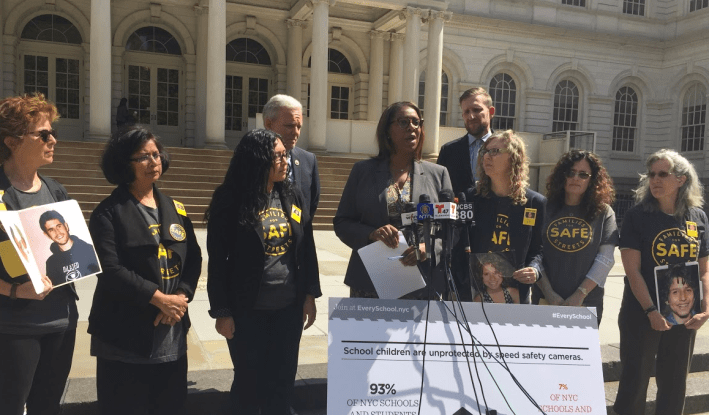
673 245
177 232
569 234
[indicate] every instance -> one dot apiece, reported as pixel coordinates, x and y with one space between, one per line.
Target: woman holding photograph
490 276
151 263
37 331
666 226
580 233
508 213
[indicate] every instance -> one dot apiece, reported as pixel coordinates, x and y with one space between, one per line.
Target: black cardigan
236 261
121 313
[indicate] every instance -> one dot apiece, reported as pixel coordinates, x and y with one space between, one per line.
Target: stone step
696 400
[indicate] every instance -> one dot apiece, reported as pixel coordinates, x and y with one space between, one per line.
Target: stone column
434 66
376 75
318 77
396 67
216 74
411 54
294 70
200 116
100 66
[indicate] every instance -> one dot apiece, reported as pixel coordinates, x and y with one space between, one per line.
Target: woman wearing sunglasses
508 215
37 331
151 263
666 226
380 189
580 233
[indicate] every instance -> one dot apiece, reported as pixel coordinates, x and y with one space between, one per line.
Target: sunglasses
660 174
580 174
279 158
404 122
493 151
44 134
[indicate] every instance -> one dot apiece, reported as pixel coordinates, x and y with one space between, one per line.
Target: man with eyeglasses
72 258
460 157
283 115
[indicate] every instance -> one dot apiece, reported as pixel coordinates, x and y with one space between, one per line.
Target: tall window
695 5
57 77
694 117
443 117
153 39
340 87
503 91
634 7
625 120
581 3
566 106
246 90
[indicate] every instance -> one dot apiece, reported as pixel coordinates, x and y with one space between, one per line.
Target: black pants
639 346
139 389
264 351
460 268
34 370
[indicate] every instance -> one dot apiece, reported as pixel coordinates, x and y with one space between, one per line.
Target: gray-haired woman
666 226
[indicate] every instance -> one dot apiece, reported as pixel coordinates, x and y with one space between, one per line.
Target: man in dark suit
460 157
283 115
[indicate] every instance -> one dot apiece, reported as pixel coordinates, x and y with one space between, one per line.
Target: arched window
339 94
445 88
625 119
153 39
566 107
247 50
51 28
694 116
503 91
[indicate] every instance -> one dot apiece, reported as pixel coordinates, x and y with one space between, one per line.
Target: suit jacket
121 313
305 173
236 261
455 156
363 207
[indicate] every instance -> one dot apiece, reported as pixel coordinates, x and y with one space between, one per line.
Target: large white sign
388 357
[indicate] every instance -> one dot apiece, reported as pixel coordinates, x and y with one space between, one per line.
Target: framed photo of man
679 291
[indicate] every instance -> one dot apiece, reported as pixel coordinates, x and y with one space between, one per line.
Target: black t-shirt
663 240
278 282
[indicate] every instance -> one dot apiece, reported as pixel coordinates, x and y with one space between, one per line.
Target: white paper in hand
390 277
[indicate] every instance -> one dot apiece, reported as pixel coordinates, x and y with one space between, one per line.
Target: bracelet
650 309
583 290
13 291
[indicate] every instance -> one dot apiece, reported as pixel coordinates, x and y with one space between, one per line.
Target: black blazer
363 207
121 313
455 156
307 178
236 261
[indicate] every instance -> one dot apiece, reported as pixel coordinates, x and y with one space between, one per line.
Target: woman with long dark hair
666 226
580 233
263 277
379 190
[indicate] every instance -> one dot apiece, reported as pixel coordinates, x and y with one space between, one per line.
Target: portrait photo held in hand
678 291
492 278
53 240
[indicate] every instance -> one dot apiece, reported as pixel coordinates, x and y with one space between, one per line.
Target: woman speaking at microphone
379 190
508 215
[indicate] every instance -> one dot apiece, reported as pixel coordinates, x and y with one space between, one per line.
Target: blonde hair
519 167
688 196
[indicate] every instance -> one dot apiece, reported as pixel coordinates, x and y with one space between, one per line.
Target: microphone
408 219
445 213
424 214
465 214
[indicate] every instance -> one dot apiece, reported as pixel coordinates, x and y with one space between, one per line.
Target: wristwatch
583 290
13 291
650 309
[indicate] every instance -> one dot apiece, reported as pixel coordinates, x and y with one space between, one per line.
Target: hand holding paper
391 278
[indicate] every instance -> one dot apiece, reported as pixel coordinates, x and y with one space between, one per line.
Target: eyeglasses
660 174
279 158
145 158
493 151
404 122
44 134
580 174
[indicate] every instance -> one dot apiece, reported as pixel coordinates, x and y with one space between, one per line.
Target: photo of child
492 278
678 291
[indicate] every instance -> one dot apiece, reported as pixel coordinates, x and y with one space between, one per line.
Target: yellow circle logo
569 234
177 232
672 245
